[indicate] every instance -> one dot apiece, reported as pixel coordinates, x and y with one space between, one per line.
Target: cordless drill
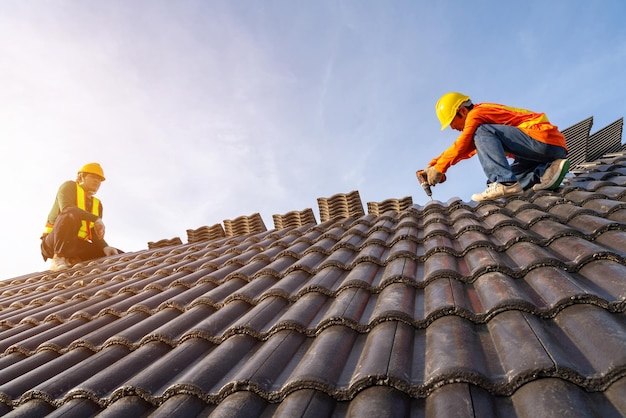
423 180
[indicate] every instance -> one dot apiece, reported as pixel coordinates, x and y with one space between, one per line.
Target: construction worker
75 231
495 132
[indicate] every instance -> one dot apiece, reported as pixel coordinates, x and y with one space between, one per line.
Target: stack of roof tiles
511 308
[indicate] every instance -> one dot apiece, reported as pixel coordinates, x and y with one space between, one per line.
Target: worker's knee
486 132
486 137
71 212
503 138
68 219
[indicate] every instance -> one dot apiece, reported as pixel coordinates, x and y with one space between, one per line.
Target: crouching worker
495 132
75 231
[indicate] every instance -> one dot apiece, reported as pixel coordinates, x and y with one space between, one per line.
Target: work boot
553 176
58 263
497 191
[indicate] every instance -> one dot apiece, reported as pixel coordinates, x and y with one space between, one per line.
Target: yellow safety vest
81 203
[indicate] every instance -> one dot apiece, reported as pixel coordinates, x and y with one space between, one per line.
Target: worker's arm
97 232
464 146
99 242
461 149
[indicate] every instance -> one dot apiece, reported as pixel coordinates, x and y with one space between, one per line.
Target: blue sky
201 111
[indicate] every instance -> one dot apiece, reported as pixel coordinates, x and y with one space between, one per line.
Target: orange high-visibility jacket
535 125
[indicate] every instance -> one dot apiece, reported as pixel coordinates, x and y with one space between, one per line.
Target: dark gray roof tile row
584 147
606 140
577 137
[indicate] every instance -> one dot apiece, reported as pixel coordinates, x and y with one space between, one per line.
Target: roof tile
536 399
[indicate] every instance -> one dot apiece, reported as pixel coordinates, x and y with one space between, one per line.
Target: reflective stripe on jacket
81 203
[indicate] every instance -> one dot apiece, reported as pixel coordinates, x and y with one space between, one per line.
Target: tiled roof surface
513 308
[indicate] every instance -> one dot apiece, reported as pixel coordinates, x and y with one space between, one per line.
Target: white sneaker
497 191
58 263
553 176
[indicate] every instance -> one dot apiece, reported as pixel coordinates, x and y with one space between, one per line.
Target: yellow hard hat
92 168
447 106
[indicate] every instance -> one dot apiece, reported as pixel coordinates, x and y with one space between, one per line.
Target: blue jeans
532 157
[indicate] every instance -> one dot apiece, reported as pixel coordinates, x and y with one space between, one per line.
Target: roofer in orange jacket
495 131
74 230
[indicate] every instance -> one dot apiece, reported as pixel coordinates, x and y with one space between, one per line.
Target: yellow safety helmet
92 168
447 106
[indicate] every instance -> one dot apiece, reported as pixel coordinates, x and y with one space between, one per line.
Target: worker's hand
433 176
110 251
99 227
